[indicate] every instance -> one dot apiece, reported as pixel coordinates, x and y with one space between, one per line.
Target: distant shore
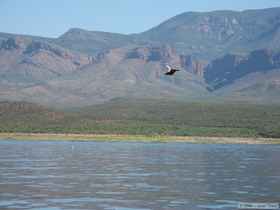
135 138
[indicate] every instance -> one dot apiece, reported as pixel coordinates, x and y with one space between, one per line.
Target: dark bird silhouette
171 71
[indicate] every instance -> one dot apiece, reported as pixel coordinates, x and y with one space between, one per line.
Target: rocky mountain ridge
221 53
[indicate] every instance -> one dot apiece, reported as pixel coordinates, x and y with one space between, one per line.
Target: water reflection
135 176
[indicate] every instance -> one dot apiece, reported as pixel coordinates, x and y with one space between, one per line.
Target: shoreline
135 138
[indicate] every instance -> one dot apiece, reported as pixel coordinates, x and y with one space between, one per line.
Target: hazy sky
54 17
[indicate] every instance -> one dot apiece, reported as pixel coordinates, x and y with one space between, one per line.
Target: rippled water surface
135 176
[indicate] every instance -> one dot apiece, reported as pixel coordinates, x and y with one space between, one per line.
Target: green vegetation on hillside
146 117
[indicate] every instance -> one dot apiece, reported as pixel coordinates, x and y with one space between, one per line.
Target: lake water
135 176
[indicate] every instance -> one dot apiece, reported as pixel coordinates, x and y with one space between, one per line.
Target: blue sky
51 18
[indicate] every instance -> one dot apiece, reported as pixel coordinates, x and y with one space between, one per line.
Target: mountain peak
74 32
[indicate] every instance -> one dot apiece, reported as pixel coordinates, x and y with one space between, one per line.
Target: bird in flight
171 71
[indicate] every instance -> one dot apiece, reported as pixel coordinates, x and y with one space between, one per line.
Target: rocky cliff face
192 65
167 55
152 53
13 44
22 59
226 70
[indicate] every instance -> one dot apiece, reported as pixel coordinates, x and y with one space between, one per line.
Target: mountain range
225 55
